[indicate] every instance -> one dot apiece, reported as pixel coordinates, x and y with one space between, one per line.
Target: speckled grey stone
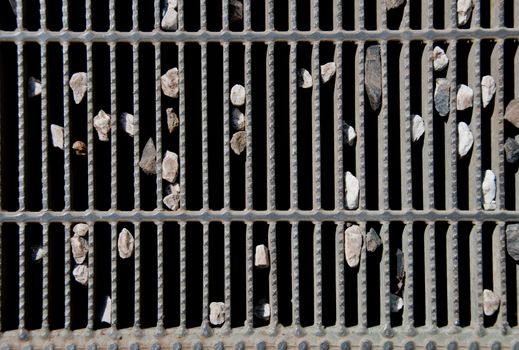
218 346
197 346
282 345
239 346
474 346
512 112
512 241
373 76
235 11
303 345
452 346
388 345
409 345
112 347
345 345
430 346
496 346
324 346
261 345
92 346
442 96
511 150
134 346
70 347
155 346
176 346
366 345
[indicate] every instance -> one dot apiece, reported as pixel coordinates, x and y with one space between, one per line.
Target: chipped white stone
304 79
79 248
80 148
418 128
169 83
56 133
465 139
37 253
512 112
352 245
261 258
491 302
80 274
373 240
149 158
488 187
128 123
396 303
328 71
33 87
106 316
217 313
172 120
80 229
238 120
125 244
170 19
102 125
172 199
170 166
262 310
78 84
464 8
348 134
488 89
393 4
238 95
464 97
440 59
352 189
239 142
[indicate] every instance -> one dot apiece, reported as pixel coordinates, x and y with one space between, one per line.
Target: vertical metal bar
45 281
360 154
296 315
385 282
160 278
338 120
407 247
249 264
362 299
248 118
452 277
383 134
405 129
314 15
316 124
90 129
203 15
137 279
182 327
158 126
205 131
111 16
360 19
430 276
21 126
227 277
318 279
136 137
451 136
113 275
500 275
226 131
476 122
271 143
270 15
246 15
135 14
293 125
451 14
91 269
156 13
205 328
180 7
1 271
430 14
21 280
500 109
382 14
337 14
292 25
19 15
428 152
182 126
113 127
66 126
273 278
340 285
88 16
225 15
476 281
67 273
44 129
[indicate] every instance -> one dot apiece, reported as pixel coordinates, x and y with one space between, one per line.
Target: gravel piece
352 189
102 125
217 313
172 120
128 123
440 59
511 150
78 84
235 11
373 76
239 142
79 248
328 71
349 136
172 200
488 89
396 303
238 121
149 158
170 167
169 83
442 96
56 133
170 19
464 8
37 253
400 267
491 302
106 316
125 244
464 97
238 95
465 139
80 274
512 112
33 87
512 241
262 310
80 148
393 4
261 258
80 229
352 245
304 79
488 187
418 128
373 240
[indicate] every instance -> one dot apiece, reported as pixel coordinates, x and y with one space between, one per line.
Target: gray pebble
128 123
217 313
238 121
512 241
465 139
418 128
349 135
491 302
393 4
488 188
149 158
80 274
172 120
80 229
464 8
304 79
33 87
373 76
396 303
235 11
373 240
170 167
442 96
352 190
79 248
238 95
488 89
440 59
352 245
80 148
125 244
239 142
78 84
261 257
169 83
464 97
327 71
512 112
511 150
172 199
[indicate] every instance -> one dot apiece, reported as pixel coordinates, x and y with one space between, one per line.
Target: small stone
102 125
79 248
373 240
393 4
235 11
172 199
37 253
400 268
327 71
80 229
440 59
78 84
442 96
238 120
106 316
349 135
304 79
80 274
170 167
418 128
512 112
262 310
464 97
80 148
128 123
511 150
238 95
170 19
33 87
491 302
464 8
352 189
488 89
352 245
149 158
488 187
396 303
125 244
261 258
169 83
465 139
172 119
217 313
239 142
56 132
373 77
512 241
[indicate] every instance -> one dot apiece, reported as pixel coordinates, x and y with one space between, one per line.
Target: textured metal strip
203 15
21 126
113 276
64 11
271 144
476 122
451 134
476 283
182 310
270 15
91 280
428 162
247 15
205 328
158 125
383 135
135 14
180 7
273 278
292 17
337 8
90 129
314 13
338 120
318 279
205 132
405 127
160 279
19 14
316 125
226 131
430 280
1 277
385 281
362 287
44 130
156 13
88 15
66 127
340 284
137 280
500 277
225 15
226 329
407 247
293 126
453 313
500 106
296 312
21 280
249 284
111 14
136 125
67 275
113 128
182 119
360 154
248 127
45 281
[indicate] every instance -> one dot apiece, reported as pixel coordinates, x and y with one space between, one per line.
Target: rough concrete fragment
440 59
328 71
238 95
238 121
373 240
262 310
352 245
172 199
217 313
169 83
235 11
149 158
442 96
80 229
304 79
349 135
488 187
80 148
465 139
172 120
396 303
464 97
78 84
352 189
393 4
80 274
418 128
491 302
79 248
464 8
170 167
373 76
488 89
511 150
106 316
33 87
56 133
102 125
512 241
170 19
239 142
128 123
512 112
261 258
125 244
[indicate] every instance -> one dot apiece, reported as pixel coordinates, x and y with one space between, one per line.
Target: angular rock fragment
80 148
128 123
106 316
353 245
348 134
217 313
393 4
37 253
512 112
172 199
465 139
125 244
149 158
78 84
373 76
488 89
464 97
488 187
442 96
304 79
170 19
373 240
400 267
396 303
170 167
169 83
172 120
56 133
464 8
237 120
511 150
33 87
418 128
80 274
512 241
262 310
80 229
328 71
352 189
491 302
79 248
238 95
235 11
102 125
261 258
440 59
239 142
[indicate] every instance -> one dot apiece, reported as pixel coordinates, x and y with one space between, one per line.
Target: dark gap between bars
328 273
374 263
125 283
33 277
216 262
10 300
395 242
441 272
487 48
260 276
171 265
465 230
102 270
419 266
56 276
284 265
487 261
194 269
306 273
238 274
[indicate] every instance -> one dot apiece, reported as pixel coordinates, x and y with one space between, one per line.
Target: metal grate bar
182 118
90 129
452 277
66 127
44 131
273 281
113 129
180 7
451 143
67 284
362 300
500 277
205 328
408 250
137 280
431 317
340 280
296 314
338 144
45 281
113 276
21 280
383 135
429 128
318 279
405 129
21 127
226 131
91 286
360 152
160 279
247 17
249 277
248 124
316 126
500 103
205 130
158 127
182 327
271 144
476 122
385 282
294 200
227 278
136 123
476 282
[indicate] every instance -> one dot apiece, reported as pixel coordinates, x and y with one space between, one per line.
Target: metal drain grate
440 247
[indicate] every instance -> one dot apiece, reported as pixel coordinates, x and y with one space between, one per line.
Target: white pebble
262 310
80 274
352 189
172 199
56 133
464 8
261 258
327 71
79 248
102 125
348 134
488 89
239 142
106 316
488 187
78 84
238 120
396 303
373 240
304 79
491 302
418 127
37 253
172 120
80 229
238 95
128 123
149 158
169 83
353 245
125 244
170 19
34 87
465 139
170 167
440 59
464 97
217 313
